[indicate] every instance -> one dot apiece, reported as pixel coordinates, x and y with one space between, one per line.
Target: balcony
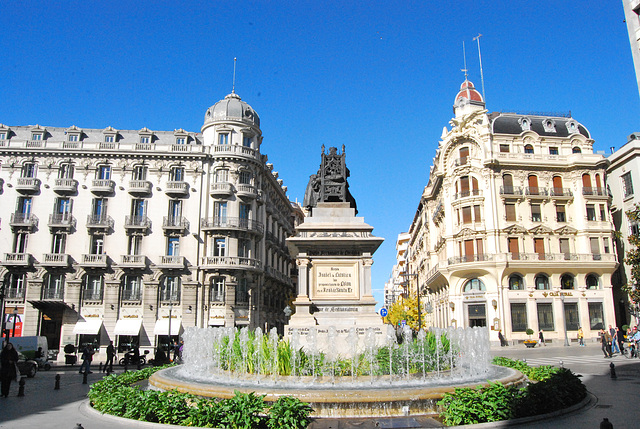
535 192
95 261
562 257
230 262
177 188
175 224
273 273
23 221
596 192
103 186
507 191
232 149
53 294
247 191
231 223
139 223
221 189
55 260
131 295
92 295
561 193
14 294
482 257
133 261
65 186
18 259
99 222
62 221
172 262
28 185
140 187
466 194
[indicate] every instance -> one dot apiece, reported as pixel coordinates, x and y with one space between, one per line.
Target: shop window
545 316
518 317
474 285
516 282
596 316
542 282
571 316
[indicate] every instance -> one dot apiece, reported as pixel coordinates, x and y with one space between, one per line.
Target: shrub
479 405
289 413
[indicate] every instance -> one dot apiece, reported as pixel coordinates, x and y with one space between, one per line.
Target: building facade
513 230
131 236
632 18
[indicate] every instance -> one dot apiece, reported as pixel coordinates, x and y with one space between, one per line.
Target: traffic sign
383 312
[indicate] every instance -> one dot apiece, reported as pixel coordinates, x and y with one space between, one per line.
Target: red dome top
468 91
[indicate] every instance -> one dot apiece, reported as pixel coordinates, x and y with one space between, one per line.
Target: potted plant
530 343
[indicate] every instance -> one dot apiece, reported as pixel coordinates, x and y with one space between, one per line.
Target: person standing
503 341
580 337
111 354
614 340
605 340
620 339
8 360
541 337
87 357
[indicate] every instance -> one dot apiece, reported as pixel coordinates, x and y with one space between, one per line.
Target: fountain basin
340 397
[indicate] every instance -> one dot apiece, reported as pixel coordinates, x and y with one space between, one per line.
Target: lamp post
564 317
15 317
170 314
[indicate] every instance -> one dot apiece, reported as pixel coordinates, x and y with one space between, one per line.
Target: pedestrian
541 337
580 337
111 354
620 339
605 340
614 339
176 351
503 341
87 357
8 369
135 355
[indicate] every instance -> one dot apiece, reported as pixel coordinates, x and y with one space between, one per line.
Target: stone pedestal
333 250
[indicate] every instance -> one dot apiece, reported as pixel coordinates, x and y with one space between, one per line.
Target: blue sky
379 77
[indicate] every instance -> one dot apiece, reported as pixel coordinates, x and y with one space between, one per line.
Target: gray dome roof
232 107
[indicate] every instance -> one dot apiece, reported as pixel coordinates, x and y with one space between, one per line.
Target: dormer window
549 125
181 140
145 139
572 127
74 137
3 135
109 138
525 124
36 136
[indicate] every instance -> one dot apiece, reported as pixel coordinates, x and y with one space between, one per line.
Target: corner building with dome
513 230
131 236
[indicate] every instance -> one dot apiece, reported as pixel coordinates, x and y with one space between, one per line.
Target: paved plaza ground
42 407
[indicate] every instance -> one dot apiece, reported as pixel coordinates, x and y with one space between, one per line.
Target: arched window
528 148
576 149
566 281
533 185
170 289
542 282
464 156
586 181
598 183
507 184
474 284
592 282
516 282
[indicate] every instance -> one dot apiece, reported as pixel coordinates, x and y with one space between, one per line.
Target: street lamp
407 275
564 317
15 317
170 340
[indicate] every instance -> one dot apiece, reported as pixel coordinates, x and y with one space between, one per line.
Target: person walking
614 340
8 372
580 337
541 338
619 338
605 340
111 354
503 341
87 357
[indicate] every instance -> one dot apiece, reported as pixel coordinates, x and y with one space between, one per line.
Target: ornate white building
513 229
133 235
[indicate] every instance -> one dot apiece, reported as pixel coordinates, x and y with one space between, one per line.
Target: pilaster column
303 277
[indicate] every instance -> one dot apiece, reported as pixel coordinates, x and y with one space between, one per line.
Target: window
74 137
173 246
627 184
245 177
538 247
170 289
466 215
592 282
217 289
528 149
510 212
605 244
97 244
28 170
244 248
576 149
109 139
533 185
595 248
53 287
139 172
476 214
138 210
603 212
553 151
132 288
99 209
145 139
245 213
514 248
545 316
516 282
474 284
223 138
104 172
242 292
504 148
561 215
175 212
536 215
464 155
571 316
564 248
176 174
58 243
566 282
591 212
20 241
36 136
15 285
596 316
181 140
220 213
542 282
92 288
222 175
135 245
246 141
24 206
62 208
65 171
518 317
507 184
634 229
219 246
3 136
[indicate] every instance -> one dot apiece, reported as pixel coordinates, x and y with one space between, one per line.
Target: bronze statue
330 183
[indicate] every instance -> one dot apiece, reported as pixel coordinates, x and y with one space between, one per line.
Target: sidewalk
44 408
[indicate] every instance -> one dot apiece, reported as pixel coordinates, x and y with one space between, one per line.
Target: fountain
220 361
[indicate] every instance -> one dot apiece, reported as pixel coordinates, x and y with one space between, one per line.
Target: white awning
162 327
128 326
216 322
88 327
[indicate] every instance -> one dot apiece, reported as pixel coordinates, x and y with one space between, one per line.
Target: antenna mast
464 55
477 38
233 86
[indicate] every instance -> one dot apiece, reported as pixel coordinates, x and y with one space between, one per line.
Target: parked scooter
129 358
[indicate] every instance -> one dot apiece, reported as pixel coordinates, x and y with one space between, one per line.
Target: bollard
612 369
100 367
78 426
561 364
84 377
21 388
57 386
606 424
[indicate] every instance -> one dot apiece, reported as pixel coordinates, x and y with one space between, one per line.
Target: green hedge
553 389
116 395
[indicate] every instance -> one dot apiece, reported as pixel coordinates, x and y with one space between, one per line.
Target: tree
632 258
405 308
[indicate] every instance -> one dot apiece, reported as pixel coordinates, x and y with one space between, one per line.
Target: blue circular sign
383 312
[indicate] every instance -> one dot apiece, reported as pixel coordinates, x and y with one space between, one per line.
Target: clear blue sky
379 77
